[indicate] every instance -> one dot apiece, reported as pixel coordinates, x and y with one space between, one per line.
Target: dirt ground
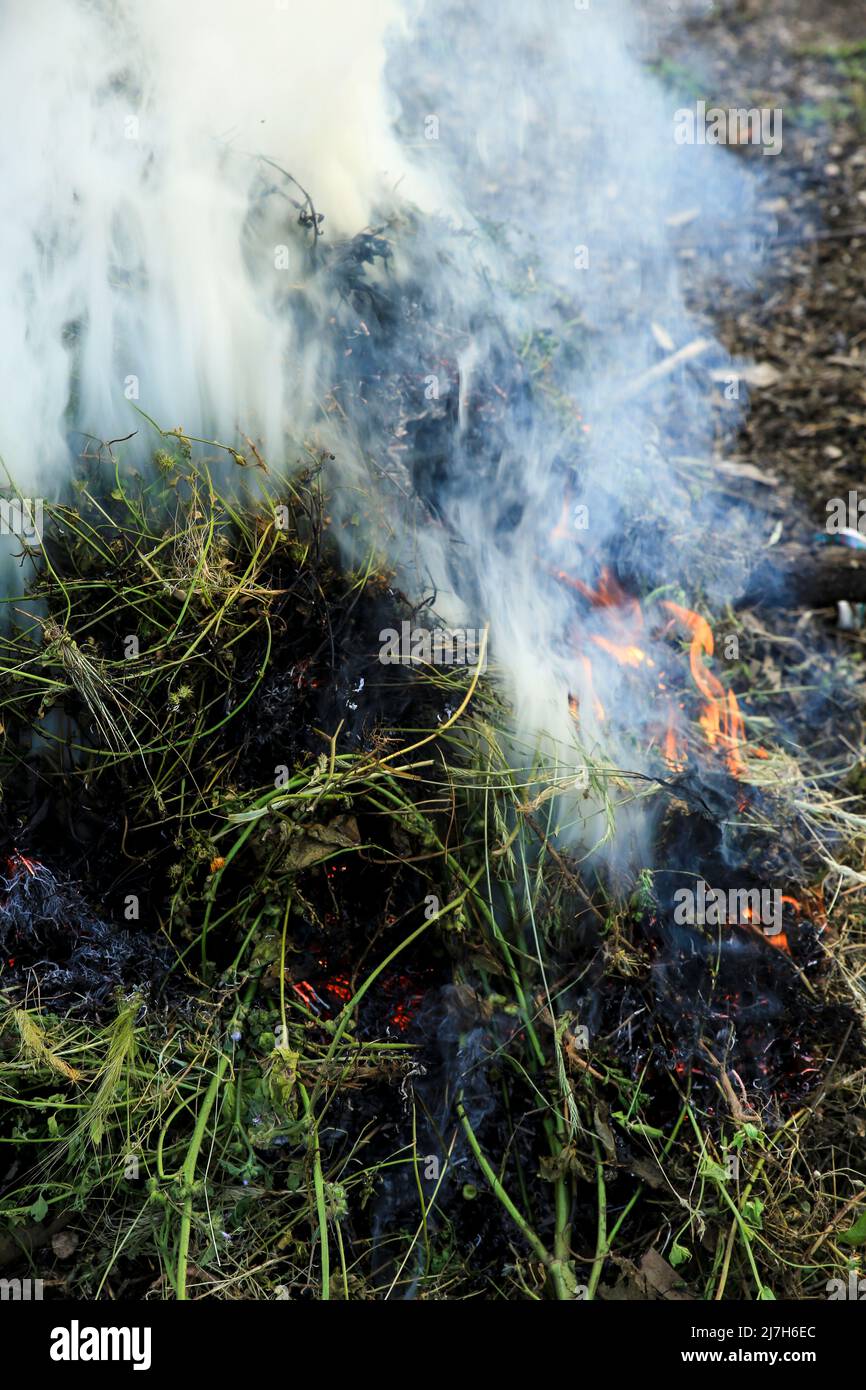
807 316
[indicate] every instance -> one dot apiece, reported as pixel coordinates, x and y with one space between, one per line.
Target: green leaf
679 1255
753 1213
39 1210
636 1126
710 1169
856 1234
766 1295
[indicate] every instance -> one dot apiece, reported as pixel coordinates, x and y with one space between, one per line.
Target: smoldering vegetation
326 978
288 946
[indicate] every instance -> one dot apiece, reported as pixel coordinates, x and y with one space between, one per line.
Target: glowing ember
305 992
18 860
340 987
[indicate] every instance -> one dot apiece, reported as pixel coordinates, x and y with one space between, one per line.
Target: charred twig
308 217
795 575
741 1111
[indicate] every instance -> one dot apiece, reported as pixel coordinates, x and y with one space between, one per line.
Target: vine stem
556 1267
187 1172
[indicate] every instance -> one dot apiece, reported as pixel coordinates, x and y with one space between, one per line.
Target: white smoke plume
132 133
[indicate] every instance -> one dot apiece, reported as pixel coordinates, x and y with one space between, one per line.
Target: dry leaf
312 843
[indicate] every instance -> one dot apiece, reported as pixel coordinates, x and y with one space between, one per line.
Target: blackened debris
54 943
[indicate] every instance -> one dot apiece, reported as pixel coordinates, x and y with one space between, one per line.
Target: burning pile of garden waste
301 997
427 873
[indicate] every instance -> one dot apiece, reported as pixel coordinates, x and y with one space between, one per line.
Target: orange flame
597 706
720 718
625 653
673 748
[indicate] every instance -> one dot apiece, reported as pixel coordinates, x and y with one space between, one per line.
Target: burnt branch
796 576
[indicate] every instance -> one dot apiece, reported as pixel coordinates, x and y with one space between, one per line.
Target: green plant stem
555 1266
319 1189
187 1173
315 1148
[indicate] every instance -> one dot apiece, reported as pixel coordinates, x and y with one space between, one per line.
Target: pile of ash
55 945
